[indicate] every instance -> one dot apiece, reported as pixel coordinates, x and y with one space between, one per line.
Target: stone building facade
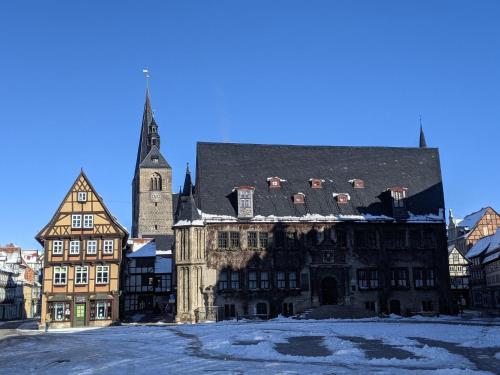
270 230
152 210
153 205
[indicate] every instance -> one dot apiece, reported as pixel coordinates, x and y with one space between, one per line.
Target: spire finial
187 168
145 71
422 143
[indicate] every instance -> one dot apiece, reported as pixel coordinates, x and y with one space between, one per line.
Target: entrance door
261 309
329 291
395 307
80 314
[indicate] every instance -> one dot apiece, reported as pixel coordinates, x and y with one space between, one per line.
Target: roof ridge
315 146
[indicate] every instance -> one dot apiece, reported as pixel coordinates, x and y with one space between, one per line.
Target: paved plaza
280 346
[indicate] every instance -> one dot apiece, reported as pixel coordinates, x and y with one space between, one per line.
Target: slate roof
222 166
147 162
145 151
163 241
186 205
147 117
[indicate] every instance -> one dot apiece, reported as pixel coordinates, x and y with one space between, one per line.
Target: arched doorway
261 309
329 294
395 307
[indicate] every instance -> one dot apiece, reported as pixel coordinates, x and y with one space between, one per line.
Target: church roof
146 149
147 117
223 166
186 210
149 159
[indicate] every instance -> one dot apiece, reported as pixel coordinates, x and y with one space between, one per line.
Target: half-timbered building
83 245
147 285
276 229
463 235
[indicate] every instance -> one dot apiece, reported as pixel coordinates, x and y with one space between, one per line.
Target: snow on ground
280 346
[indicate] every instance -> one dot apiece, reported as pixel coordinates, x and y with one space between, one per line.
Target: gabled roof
147 162
471 220
222 166
485 245
82 174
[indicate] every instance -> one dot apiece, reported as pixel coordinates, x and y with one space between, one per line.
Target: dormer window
316 183
82 196
275 182
342 197
398 195
245 201
154 159
357 183
298 198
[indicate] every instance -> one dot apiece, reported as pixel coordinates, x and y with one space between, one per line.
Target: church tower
152 214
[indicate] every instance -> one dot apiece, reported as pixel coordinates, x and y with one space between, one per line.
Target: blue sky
292 72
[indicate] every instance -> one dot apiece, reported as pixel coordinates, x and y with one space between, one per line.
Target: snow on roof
6 269
491 257
346 194
490 243
163 265
182 223
472 219
211 218
142 248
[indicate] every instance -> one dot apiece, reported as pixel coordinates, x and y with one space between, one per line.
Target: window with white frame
102 275
76 221
60 311
82 196
81 275
108 247
74 247
60 275
91 246
57 247
101 310
398 197
88 221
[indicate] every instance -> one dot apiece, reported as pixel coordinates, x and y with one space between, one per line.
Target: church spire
149 136
422 143
186 208
188 184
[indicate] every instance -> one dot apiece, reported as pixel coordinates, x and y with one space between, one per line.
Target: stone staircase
336 311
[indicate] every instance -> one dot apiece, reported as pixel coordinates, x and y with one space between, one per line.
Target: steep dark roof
223 166
147 117
163 241
422 142
147 162
186 206
146 150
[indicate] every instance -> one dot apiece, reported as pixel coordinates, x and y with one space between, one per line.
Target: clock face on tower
155 196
